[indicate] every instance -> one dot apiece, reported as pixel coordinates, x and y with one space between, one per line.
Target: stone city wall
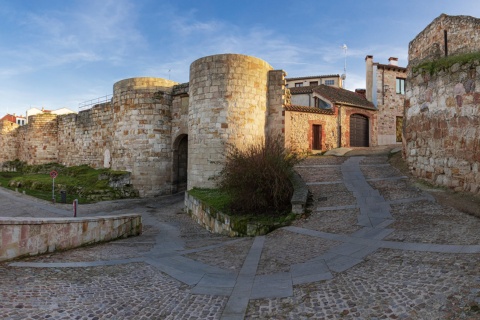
8 141
227 106
38 141
442 126
463 35
20 237
277 95
142 129
86 137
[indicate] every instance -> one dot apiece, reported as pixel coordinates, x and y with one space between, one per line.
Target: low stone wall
20 237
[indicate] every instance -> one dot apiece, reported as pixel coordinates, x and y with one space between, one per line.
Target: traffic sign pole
53 174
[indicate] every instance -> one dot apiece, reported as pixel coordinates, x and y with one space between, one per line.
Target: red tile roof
10 118
314 77
300 90
309 109
342 96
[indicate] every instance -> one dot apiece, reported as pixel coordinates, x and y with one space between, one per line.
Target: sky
57 53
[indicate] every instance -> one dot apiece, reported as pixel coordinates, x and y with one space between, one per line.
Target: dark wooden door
358 131
317 137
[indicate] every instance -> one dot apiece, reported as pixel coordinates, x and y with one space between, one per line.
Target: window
298 84
400 85
314 83
330 82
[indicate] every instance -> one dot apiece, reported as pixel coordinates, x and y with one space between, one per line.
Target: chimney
361 92
393 61
369 77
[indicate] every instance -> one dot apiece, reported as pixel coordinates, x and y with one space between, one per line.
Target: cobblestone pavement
373 247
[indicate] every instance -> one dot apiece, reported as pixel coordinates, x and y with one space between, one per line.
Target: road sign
53 174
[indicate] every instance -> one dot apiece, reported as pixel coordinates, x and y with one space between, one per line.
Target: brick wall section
142 128
228 104
276 101
86 137
38 141
463 35
8 140
442 126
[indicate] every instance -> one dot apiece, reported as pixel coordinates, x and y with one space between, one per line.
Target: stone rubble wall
463 35
21 237
442 126
276 101
298 130
227 106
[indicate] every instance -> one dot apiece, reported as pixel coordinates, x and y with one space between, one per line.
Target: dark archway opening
180 164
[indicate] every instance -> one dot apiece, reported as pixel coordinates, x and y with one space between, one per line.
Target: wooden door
316 137
358 131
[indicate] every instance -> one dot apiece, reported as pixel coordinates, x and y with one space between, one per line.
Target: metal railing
85 105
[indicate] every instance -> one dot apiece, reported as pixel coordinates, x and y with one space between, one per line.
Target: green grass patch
84 183
220 200
433 67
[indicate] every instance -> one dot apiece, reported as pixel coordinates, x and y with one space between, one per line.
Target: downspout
383 86
339 125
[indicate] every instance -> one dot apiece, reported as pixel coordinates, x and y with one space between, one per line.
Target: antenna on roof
344 75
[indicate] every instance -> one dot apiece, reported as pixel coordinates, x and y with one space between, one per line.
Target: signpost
53 174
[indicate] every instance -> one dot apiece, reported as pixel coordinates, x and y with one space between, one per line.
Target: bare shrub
257 178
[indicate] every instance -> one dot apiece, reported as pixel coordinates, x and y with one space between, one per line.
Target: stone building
335 118
385 88
312 81
442 107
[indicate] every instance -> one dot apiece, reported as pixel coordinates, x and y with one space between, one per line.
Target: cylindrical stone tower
228 104
142 133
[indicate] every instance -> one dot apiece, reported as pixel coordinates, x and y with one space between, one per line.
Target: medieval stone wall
442 127
37 143
142 125
228 105
463 35
86 137
8 141
277 96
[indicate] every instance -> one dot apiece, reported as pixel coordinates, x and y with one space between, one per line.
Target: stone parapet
21 237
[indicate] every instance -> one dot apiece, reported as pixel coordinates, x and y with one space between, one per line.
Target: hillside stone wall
227 106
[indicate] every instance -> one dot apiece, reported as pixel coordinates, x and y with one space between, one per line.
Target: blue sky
57 53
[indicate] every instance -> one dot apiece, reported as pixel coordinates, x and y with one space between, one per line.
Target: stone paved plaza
373 247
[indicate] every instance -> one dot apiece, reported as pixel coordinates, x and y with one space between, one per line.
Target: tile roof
300 90
342 96
391 67
313 77
309 109
10 118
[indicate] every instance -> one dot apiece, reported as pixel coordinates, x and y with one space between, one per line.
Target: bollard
75 203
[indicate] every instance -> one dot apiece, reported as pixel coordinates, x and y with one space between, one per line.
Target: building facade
385 88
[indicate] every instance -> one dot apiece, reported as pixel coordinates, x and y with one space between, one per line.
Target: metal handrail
85 105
